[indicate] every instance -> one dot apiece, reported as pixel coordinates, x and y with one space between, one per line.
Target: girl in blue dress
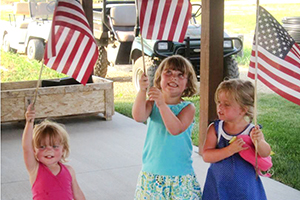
230 177
167 171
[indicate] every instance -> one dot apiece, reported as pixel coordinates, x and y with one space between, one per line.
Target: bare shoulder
190 108
211 136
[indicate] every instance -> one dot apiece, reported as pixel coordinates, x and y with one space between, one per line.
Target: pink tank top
47 186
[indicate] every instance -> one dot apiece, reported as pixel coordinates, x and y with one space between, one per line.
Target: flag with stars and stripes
278 58
71 48
164 19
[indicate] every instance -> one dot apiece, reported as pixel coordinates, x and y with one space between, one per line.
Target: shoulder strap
216 124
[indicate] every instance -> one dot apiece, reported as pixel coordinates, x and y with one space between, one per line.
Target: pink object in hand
264 163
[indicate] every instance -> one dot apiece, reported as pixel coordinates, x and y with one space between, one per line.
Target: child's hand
30 113
144 82
237 146
156 95
256 134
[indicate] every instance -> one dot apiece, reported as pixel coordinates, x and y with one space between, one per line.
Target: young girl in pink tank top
45 148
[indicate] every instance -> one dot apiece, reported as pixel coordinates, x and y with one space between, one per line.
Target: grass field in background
279 118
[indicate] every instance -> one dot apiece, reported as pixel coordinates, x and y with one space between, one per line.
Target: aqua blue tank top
164 153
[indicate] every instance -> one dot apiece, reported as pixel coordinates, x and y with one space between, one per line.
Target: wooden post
87 6
211 72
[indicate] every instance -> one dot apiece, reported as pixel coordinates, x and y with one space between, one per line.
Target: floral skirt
156 187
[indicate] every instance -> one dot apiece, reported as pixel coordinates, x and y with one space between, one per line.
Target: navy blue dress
232 178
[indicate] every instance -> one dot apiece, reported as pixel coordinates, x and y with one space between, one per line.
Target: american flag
278 60
164 19
71 48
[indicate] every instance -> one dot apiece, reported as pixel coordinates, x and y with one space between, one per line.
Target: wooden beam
87 6
211 70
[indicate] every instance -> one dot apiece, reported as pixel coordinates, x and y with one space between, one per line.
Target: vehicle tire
138 70
6 44
231 69
35 49
101 66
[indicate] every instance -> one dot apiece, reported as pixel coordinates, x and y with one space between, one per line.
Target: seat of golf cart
21 10
123 19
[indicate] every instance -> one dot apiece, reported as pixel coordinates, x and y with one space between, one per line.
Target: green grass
15 67
280 121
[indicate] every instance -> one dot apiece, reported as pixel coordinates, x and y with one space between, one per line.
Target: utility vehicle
116 27
28 28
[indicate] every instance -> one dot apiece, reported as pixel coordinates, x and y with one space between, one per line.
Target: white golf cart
28 28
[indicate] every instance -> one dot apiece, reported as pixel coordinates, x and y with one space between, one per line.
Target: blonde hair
177 62
55 132
240 91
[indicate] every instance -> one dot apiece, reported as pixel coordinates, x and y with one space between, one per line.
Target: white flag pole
143 55
38 83
42 66
255 81
142 40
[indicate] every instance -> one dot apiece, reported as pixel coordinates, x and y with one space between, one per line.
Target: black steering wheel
51 6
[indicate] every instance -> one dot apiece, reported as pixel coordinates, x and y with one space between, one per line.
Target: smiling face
173 82
181 71
228 109
51 137
49 152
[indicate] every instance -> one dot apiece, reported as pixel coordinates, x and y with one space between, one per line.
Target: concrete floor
106 156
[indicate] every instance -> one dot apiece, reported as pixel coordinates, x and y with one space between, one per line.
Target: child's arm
77 192
211 154
28 151
174 124
263 148
141 108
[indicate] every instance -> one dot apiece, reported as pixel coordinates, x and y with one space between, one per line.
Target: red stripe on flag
292 61
144 4
73 17
57 36
296 50
90 68
75 27
278 91
73 54
164 19
82 58
175 19
63 4
277 78
152 18
62 50
53 50
275 89
186 22
279 66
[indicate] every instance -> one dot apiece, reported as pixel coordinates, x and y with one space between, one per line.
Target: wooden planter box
57 101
